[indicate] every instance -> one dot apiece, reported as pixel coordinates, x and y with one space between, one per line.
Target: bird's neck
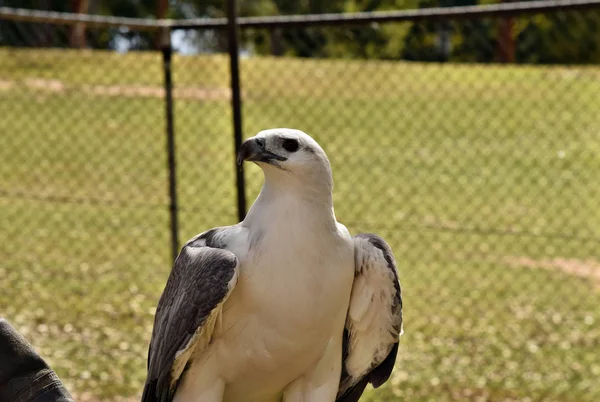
291 204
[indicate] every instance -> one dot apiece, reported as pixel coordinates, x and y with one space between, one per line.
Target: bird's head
288 156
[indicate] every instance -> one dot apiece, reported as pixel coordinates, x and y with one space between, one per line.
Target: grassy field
484 179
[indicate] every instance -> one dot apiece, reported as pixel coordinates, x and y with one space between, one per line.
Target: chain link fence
473 152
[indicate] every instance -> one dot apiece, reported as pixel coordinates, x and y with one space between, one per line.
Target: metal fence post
167 51
236 103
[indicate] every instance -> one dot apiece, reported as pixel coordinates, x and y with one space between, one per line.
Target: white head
290 159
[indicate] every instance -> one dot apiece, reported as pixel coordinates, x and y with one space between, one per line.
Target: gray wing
201 280
374 320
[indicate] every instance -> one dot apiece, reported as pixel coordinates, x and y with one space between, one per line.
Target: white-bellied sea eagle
284 306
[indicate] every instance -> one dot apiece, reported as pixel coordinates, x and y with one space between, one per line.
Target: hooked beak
253 150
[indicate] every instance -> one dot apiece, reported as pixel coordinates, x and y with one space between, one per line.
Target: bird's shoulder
232 238
343 232
345 241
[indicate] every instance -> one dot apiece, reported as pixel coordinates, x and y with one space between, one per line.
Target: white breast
291 299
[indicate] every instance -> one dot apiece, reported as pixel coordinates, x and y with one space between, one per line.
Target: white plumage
284 306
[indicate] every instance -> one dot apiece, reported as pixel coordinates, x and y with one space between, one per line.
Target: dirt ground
57 86
588 268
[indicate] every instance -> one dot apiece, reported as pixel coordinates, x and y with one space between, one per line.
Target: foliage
560 38
539 39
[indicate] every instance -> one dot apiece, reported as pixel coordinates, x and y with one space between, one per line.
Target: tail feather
354 393
149 394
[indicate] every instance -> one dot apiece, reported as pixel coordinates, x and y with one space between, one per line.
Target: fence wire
474 153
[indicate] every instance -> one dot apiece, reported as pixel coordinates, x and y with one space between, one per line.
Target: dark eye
290 145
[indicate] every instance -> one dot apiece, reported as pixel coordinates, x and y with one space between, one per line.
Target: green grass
482 178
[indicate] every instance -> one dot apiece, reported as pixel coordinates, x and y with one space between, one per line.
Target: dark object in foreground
24 375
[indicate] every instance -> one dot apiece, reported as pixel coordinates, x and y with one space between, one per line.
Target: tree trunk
161 13
505 52
77 36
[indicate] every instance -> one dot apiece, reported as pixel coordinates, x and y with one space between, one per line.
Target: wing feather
374 320
201 280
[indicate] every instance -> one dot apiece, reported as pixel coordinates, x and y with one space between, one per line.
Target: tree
560 38
77 36
29 34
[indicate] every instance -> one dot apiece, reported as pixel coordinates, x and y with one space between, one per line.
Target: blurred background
471 142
